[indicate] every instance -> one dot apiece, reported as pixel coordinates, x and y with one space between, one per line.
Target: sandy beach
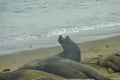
89 51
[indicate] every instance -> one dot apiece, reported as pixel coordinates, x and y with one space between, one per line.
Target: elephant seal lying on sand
29 74
112 62
65 64
64 67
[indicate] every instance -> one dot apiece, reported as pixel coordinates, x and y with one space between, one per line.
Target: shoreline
89 51
44 43
56 49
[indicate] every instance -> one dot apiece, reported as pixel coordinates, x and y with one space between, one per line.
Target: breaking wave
78 29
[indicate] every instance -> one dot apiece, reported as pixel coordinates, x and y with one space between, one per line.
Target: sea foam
83 28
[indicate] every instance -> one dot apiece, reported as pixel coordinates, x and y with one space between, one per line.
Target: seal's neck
75 56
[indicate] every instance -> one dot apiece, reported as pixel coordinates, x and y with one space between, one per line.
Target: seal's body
64 67
111 62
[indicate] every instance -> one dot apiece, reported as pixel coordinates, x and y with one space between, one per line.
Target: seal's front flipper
110 70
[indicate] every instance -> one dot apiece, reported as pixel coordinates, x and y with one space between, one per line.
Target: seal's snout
60 39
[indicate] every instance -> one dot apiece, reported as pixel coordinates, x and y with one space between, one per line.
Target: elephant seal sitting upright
70 49
64 64
112 62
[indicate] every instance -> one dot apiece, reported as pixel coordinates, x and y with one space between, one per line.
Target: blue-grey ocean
31 24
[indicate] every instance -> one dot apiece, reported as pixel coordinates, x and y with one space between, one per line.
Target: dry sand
90 50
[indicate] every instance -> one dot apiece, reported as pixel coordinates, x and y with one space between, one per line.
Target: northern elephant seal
65 64
29 74
64 67
70 49
112 62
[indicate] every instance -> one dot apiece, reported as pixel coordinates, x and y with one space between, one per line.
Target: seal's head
66 43
71 49
62 40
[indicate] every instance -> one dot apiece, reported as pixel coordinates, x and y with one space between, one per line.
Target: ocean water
30 24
